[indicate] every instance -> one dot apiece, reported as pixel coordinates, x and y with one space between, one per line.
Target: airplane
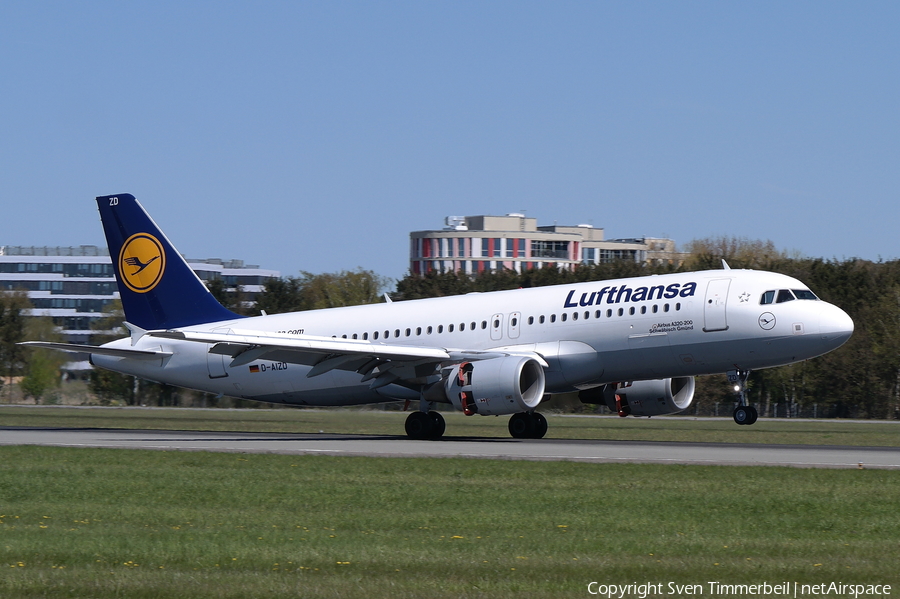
634 345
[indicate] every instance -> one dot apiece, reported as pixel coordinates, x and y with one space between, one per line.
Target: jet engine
644 398
506 385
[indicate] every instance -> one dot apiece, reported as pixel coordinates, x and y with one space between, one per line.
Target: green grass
361 421
140 524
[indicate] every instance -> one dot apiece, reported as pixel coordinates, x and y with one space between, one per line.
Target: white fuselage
592 333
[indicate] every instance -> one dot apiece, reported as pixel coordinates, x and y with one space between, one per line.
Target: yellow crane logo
142 262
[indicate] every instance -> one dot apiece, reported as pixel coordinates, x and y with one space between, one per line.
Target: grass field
783 431
140 524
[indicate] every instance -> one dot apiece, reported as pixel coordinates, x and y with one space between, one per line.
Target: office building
473 244
72 285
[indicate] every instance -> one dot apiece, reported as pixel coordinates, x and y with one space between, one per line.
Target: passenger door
714 317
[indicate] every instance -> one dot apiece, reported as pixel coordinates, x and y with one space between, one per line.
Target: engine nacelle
506 385
645 398
656 397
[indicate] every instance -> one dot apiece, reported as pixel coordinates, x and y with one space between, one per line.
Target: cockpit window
784 295
804 294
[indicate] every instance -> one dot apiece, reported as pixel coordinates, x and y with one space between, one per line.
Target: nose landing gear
744 413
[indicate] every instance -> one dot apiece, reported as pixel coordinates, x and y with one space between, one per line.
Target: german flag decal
254 368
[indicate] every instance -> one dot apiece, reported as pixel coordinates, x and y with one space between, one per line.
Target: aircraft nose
835 325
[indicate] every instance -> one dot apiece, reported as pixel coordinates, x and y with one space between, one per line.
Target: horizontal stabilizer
135 354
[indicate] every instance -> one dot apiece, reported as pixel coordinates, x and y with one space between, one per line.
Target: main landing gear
744 413
425 425
528 425
429 424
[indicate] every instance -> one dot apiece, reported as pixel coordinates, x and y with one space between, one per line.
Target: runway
804 456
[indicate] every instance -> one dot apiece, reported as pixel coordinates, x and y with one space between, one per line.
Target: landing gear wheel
438 426
522 425
742 415
754 415
540 425
419 425
528 425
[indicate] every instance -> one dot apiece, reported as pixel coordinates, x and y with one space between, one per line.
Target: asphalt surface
805 456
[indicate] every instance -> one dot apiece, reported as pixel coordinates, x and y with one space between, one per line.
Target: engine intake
506 385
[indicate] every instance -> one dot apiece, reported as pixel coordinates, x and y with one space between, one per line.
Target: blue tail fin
158 288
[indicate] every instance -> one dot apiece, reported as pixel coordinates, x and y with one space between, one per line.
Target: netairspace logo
720 589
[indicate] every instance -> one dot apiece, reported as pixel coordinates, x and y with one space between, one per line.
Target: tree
42 370
14 306
329 290
230 299
738 252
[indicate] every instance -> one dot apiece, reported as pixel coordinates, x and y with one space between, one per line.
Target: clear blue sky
254 130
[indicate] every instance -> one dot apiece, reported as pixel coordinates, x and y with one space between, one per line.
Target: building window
549 249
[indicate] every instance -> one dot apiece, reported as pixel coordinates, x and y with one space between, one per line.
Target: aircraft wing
382 363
